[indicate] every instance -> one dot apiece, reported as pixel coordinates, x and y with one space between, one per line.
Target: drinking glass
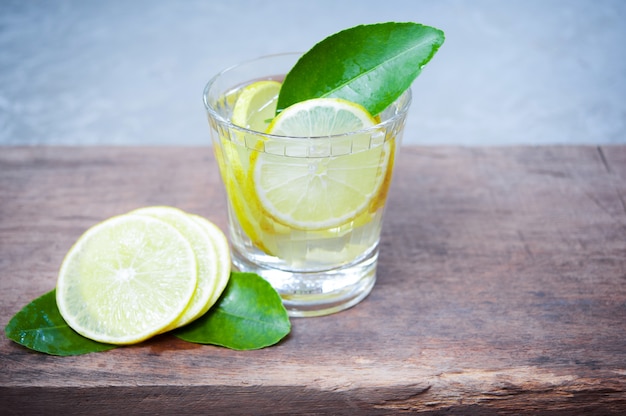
317 269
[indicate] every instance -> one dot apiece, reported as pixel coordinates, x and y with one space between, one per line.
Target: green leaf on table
371 65
40 327
249 315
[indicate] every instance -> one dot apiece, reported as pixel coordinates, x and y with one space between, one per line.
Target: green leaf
40 327
371 65
249 315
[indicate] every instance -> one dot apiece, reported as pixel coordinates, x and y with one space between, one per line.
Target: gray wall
132 72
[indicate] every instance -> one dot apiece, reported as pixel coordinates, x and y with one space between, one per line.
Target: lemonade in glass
306 148
305 212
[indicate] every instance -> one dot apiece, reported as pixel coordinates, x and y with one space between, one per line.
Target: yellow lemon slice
234 161
321 117
253 108
256 105
313 191
126 279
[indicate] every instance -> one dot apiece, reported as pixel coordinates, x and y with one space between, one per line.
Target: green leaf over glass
371 65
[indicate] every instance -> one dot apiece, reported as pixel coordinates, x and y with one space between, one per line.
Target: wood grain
501 290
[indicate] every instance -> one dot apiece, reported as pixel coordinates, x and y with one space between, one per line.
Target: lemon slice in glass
315 191
321 117
234 160
255 106
126 279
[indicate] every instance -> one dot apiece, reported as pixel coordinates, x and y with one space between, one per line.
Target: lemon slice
126 279
206 259
222 256
234 161
321 117
314 193
256 105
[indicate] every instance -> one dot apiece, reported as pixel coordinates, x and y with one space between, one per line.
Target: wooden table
501 290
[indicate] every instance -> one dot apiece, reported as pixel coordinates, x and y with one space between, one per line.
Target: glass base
317 293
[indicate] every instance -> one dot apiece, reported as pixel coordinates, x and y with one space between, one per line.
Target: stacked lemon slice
142 273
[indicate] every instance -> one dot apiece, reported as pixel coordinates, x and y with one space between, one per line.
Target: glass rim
213 113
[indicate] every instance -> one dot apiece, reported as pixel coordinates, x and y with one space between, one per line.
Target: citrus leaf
371 65
40 327
249 315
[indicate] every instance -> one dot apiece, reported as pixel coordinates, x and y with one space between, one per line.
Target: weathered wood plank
501 289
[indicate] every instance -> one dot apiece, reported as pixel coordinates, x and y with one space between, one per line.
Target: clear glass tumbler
320 267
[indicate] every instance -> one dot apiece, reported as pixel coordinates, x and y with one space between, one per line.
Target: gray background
131 72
